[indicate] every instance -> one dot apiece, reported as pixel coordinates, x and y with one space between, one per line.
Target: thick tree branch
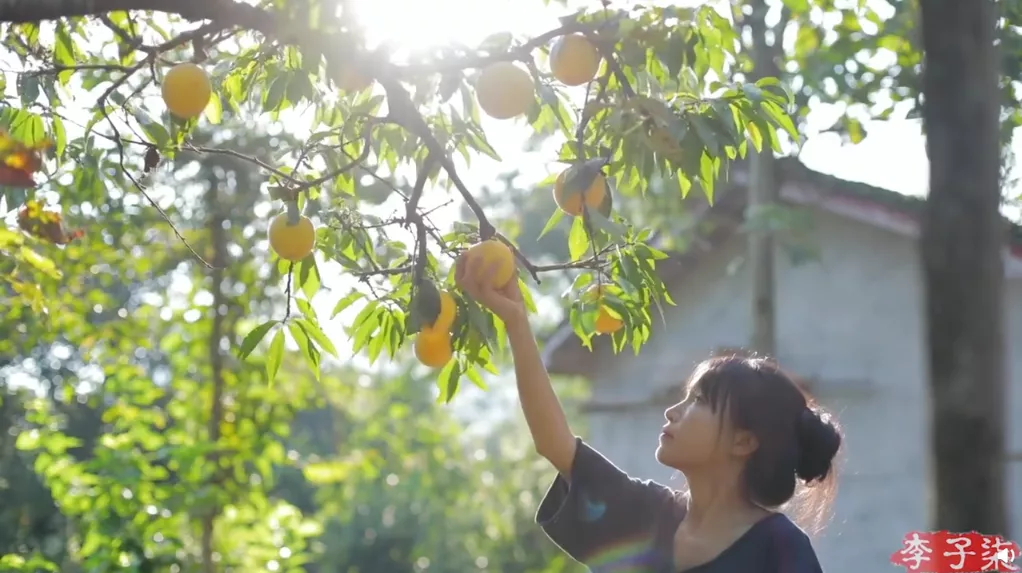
521 52
224 14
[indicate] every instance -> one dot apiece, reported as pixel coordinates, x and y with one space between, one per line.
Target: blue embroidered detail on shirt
592 510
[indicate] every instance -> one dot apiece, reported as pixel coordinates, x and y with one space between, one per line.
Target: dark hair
798 440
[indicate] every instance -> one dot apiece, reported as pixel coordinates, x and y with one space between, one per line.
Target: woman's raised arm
547 423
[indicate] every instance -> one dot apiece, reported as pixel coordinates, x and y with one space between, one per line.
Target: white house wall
852 320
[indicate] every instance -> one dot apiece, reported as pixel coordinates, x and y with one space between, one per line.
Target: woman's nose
671 413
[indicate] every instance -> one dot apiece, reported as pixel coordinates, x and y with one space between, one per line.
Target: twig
273 24
612 65
101 102
287 291
121 33
56 69
405 114
412 204
362 156
412 215
231 153
520 52
404 269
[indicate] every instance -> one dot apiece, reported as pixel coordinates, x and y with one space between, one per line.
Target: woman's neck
716 498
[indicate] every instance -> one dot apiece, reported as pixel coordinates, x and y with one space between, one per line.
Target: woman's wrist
517 325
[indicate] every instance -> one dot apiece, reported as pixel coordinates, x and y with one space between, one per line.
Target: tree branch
223 14
521 52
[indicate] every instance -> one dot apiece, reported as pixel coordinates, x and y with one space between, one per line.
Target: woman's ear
744 443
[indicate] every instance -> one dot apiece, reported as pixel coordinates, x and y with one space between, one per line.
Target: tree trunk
763 193
216 359
962 242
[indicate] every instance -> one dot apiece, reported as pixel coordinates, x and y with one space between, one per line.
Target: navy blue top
611 522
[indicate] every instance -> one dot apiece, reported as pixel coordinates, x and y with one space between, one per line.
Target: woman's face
694 435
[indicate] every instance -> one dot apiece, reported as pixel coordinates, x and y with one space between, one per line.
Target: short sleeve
599 510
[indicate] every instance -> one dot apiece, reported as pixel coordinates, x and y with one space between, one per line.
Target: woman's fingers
475 278
470 275
460 276
491 271
459 268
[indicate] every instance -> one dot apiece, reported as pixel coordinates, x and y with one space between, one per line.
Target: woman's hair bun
818 441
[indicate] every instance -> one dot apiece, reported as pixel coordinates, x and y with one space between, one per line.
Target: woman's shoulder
789 545
782 526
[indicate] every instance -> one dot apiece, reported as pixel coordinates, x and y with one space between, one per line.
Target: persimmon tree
659 107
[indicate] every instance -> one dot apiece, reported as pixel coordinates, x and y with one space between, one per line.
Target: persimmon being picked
186 90
490 253
292 242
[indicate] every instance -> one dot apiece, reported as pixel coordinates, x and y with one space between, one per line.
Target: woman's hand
476 281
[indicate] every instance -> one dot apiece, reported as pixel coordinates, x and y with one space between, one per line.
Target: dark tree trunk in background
218 238
763 193
962 241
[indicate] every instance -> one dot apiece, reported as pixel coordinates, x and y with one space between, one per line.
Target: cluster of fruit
433 343
186 92
504 89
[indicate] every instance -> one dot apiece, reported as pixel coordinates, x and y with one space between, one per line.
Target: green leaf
253 338
426 304
157 133
275 356
273 97
28 440
28 89
551 222
215 110
64 52
28 128
305 345
308 277
448 380
449 85
476 378
59 136
755 135
779 117
578 240
797 6
316 333
323 473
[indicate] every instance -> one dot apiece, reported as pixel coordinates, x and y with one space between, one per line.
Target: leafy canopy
660 111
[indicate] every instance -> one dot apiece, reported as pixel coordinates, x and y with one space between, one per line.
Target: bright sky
892 156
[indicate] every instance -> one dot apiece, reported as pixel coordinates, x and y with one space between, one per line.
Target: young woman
743 435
